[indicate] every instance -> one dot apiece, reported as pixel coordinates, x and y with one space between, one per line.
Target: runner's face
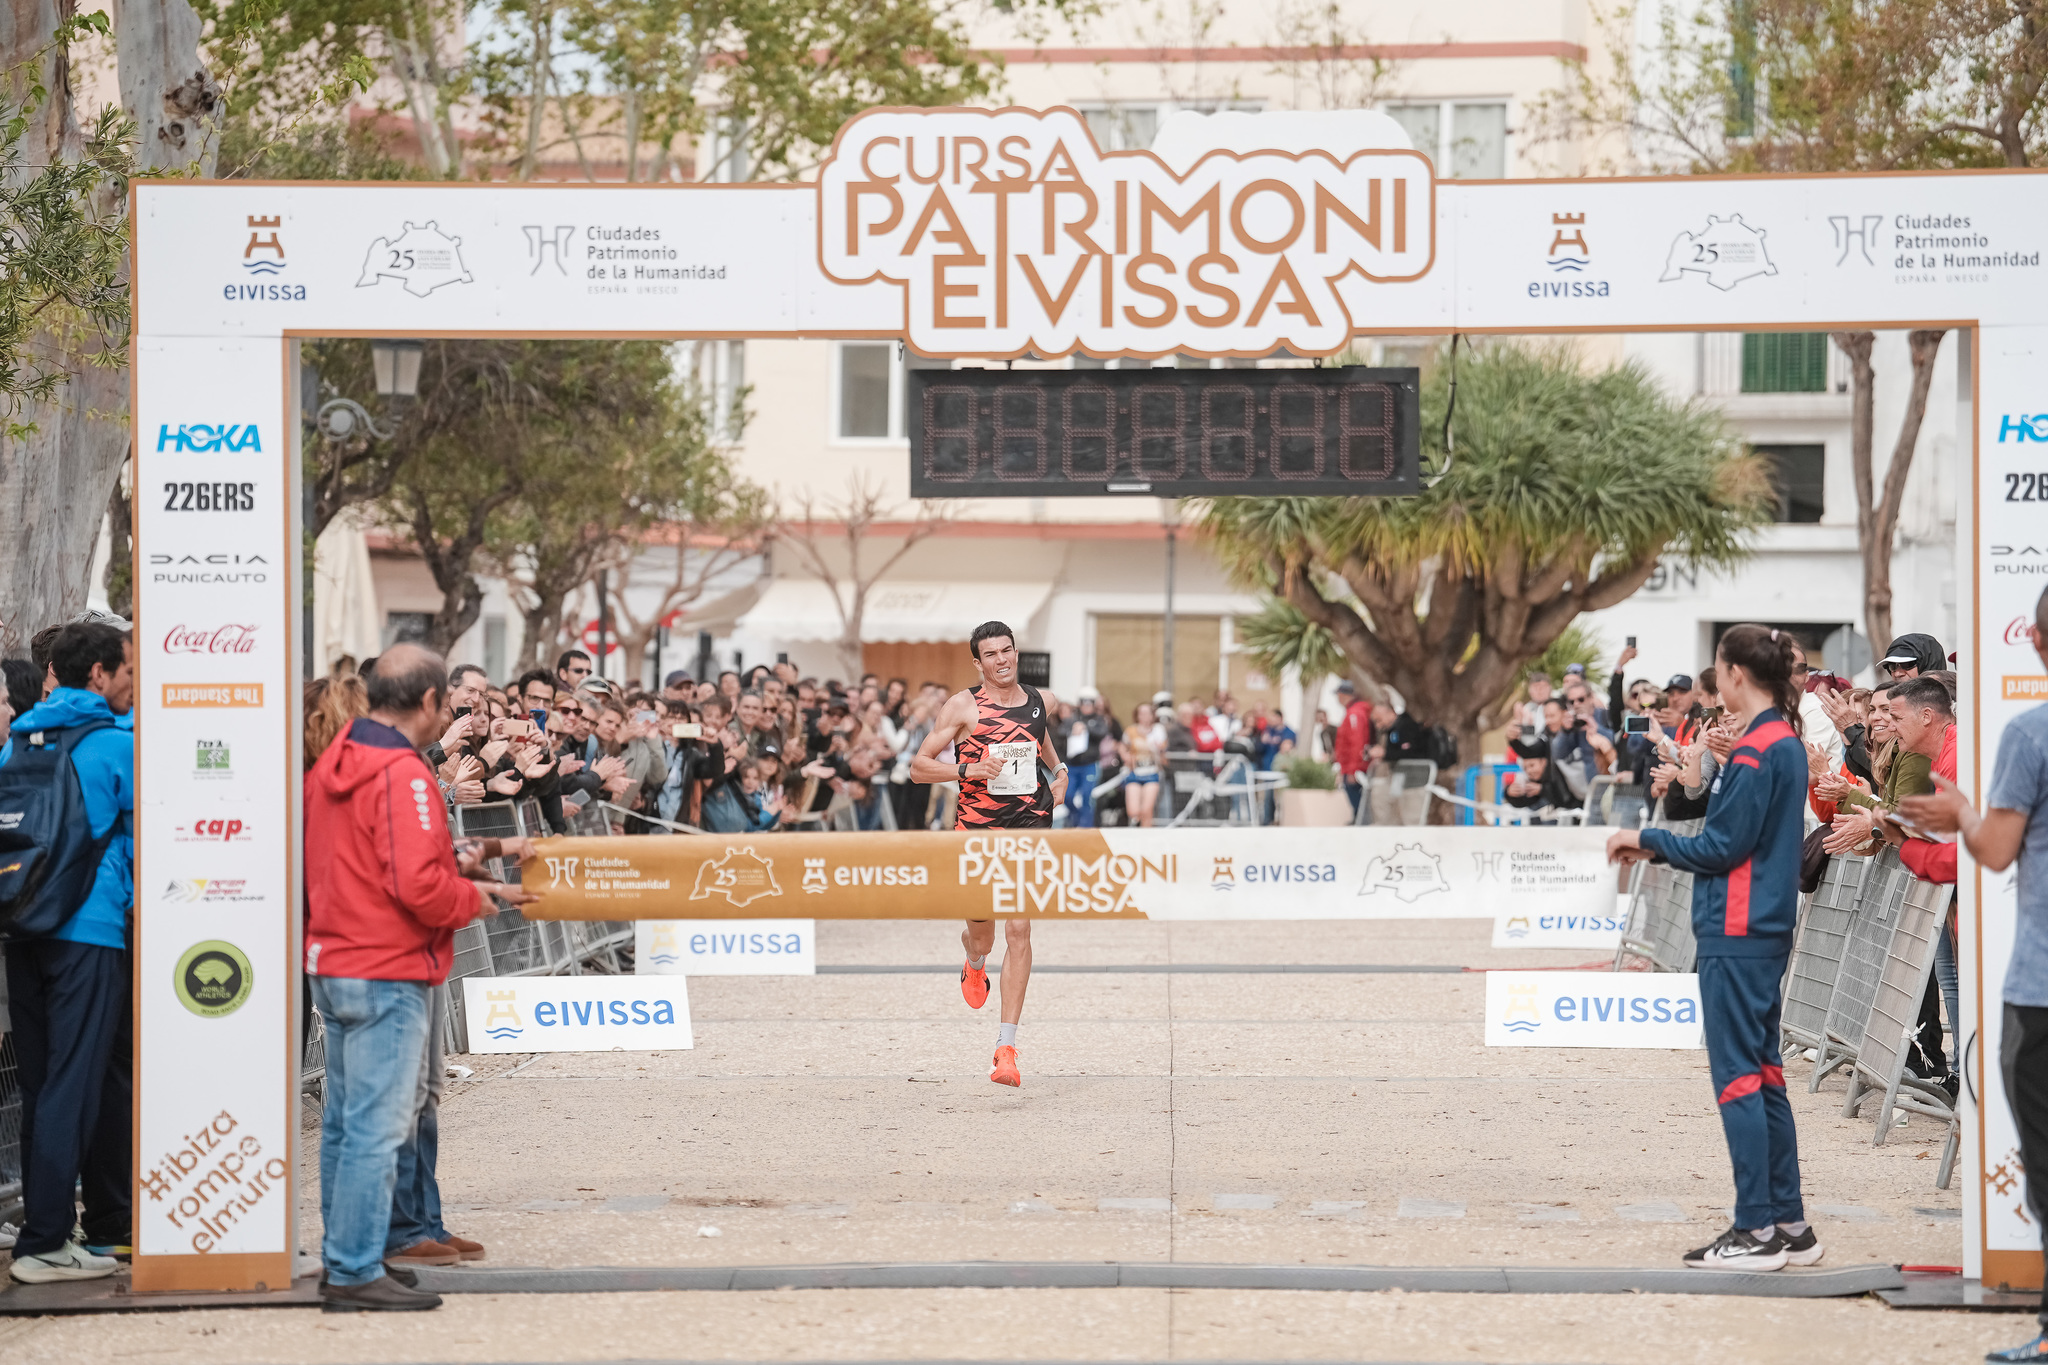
997 660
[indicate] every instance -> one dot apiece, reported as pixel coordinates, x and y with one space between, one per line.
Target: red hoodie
383 895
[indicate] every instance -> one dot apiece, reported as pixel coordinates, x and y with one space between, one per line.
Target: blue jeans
416 1199
1081 796
376 1047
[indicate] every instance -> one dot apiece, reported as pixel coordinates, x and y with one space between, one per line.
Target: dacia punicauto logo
2019 427
1521 1014
207 438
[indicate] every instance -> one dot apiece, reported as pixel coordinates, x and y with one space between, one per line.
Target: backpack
48 857
721 812
1440 747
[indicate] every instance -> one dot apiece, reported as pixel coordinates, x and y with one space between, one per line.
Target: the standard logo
213 695
213 979
1569 258
742 876
207 438
421 259
1409 872
212 759
231 639
1726 252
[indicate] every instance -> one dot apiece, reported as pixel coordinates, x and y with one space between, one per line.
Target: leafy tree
1778 86
1280 636
1564 491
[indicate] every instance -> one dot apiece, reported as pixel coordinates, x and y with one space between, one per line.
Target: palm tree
1564 491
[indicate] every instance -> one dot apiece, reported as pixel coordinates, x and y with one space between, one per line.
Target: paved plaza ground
1239 1117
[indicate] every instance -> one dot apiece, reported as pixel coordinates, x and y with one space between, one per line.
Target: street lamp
1169 515
395 365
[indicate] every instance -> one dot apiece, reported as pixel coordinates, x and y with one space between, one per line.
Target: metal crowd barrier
1885 883
1817 952
1659 928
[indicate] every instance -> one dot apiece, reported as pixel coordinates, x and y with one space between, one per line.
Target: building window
1799 474
869 402
1464 139
1123 127
717 372
406 627
1785 362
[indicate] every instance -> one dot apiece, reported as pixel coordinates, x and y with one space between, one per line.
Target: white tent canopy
898 612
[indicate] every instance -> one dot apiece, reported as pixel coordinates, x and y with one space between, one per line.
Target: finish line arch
970 233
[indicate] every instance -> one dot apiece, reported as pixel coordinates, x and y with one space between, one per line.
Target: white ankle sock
1793 1229
1006 1035
1763 1234
977 962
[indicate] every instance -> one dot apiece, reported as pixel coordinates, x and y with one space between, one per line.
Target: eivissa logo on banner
217 640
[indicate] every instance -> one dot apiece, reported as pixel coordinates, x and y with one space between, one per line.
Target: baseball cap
1087 694
1347 686
1680 682
679 678
1575 670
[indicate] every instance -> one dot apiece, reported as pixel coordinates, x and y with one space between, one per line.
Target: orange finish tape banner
1216 874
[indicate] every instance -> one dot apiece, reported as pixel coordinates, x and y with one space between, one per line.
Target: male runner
1010 777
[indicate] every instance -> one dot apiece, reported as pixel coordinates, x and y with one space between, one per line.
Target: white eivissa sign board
696 947
1593 1009
973 234
576 1013
1517 926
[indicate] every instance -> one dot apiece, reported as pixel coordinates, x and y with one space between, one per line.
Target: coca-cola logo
2016 631
217 640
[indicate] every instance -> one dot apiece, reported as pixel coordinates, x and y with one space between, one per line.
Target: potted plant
1310 797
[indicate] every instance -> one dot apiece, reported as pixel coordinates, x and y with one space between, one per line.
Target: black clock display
1334 432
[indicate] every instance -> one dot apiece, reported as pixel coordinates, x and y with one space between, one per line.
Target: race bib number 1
1019 776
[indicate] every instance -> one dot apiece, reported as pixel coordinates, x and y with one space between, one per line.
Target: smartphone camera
1635 725
687 729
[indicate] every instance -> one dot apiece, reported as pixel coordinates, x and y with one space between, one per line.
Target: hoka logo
197 438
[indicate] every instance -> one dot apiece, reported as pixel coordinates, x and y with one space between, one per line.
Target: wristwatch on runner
963 772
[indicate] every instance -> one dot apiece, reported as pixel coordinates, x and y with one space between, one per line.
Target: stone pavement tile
921 996
1260 1202
1137 1205
1651 1211
1333 1208
1431 1208
958 1048
1546 1213
1847 1213
634 1203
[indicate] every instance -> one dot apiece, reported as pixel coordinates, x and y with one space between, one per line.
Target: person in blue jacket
1745 907
68 994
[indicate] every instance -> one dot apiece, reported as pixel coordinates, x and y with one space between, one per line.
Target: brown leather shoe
425 1253
381 1295
468 1250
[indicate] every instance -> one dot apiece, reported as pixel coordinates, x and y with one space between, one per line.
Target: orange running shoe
974 985
1006 1072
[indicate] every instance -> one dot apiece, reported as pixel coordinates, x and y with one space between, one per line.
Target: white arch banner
970 233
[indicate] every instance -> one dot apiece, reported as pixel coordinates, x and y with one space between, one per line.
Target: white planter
1303 809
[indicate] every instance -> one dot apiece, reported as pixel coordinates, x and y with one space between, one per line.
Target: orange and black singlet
1020 797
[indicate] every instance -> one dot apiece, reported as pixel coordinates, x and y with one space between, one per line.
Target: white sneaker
68 1262
8 1232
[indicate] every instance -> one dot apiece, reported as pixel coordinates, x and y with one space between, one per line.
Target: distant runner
1010 777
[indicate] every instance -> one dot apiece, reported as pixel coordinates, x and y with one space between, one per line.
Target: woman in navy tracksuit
1745 905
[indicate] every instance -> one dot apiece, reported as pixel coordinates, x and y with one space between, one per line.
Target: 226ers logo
209 497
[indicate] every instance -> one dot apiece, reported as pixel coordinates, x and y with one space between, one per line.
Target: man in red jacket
384 897
1354 737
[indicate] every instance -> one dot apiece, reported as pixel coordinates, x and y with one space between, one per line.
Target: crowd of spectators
1868 751
769 749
